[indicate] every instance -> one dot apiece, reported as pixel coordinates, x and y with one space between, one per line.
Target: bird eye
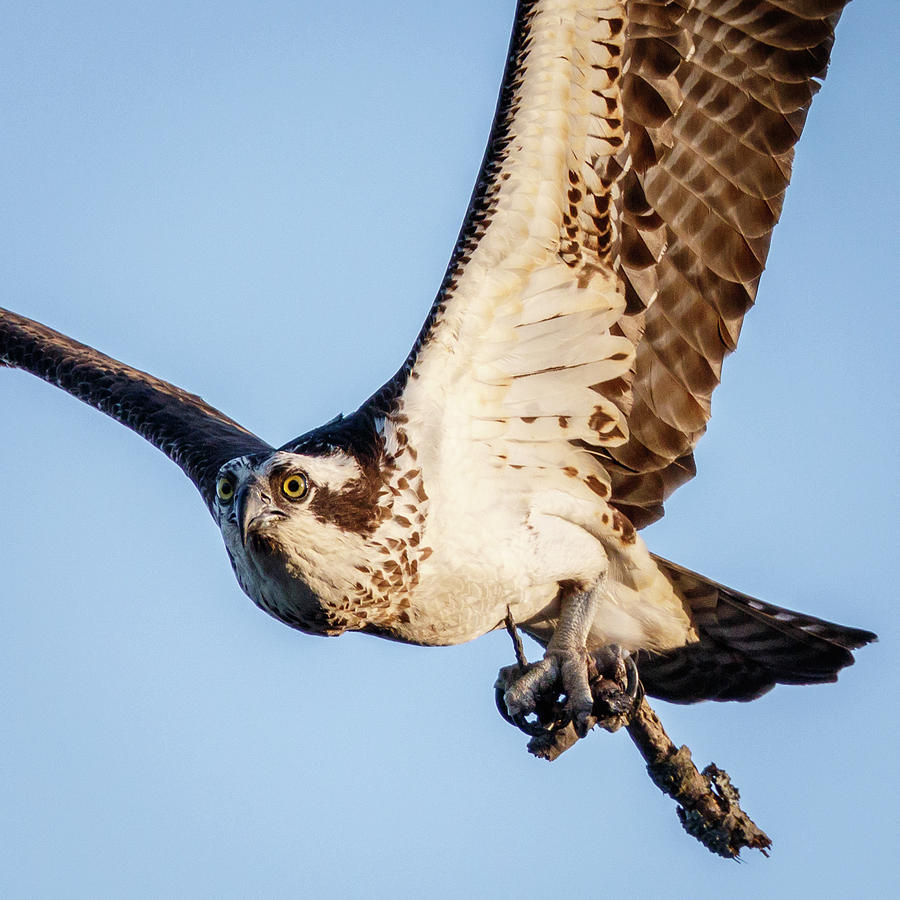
225 489
294 487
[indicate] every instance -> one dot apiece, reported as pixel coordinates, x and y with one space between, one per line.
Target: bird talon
547 695
529 727
632 678
616 687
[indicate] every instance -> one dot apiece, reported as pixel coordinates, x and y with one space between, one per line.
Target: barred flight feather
746 646
636 168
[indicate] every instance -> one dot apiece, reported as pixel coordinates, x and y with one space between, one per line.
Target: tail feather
746 646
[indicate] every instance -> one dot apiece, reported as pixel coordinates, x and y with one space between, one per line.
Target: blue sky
257 202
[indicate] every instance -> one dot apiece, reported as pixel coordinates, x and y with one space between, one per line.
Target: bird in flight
635 169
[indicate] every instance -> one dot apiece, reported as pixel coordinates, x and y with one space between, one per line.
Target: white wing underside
636 168
522 366
515 364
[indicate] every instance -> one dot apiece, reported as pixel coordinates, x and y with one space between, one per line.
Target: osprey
635 169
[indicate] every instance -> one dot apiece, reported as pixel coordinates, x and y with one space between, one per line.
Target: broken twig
708 804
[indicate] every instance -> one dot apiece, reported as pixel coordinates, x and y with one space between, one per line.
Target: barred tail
746 646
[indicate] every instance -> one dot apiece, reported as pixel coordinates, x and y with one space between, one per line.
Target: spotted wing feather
188 430
636 167
522 355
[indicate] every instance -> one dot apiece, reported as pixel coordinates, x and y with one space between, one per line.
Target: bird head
255 497
295 524
263 501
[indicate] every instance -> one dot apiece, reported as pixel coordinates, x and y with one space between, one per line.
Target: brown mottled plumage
636 167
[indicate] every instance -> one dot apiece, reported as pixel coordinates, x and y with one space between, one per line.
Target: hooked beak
252 507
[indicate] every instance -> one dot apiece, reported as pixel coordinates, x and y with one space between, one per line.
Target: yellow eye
294 487
225 489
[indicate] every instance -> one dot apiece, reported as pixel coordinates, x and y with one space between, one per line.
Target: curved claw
521 721
633 680
550 717
499 691
532 729
544 697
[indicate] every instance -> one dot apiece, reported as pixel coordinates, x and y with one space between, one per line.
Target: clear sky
256 201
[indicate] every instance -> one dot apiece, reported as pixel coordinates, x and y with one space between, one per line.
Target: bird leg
615 689
536 688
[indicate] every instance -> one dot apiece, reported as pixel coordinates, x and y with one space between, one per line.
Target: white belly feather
498 547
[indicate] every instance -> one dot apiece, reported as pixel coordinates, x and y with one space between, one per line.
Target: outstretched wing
636 166
189 431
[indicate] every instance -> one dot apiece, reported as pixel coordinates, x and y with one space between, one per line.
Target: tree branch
708 804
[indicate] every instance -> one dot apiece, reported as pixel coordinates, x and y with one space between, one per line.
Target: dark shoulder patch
357 435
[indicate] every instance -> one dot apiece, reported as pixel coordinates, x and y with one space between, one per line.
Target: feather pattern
615 238
745 646
717 96
635 170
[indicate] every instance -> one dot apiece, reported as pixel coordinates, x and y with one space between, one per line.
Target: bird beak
250 505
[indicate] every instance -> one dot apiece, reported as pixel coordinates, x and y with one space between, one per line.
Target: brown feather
746 646
193 434
738 78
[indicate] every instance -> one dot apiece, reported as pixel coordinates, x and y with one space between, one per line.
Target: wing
190 432
636 166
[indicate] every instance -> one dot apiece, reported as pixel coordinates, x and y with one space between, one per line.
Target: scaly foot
537 690
537 697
